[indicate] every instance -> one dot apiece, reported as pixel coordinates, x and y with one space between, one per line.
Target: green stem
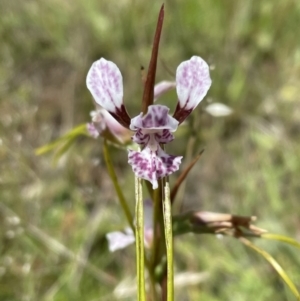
139 239
156 229
169 241
118 189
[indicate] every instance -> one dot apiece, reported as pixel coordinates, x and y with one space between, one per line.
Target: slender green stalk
127 212
282 238
281 272
118 189
169 241
139 240
156 239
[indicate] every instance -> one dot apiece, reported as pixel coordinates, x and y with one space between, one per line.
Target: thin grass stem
167 210
139 240
118 189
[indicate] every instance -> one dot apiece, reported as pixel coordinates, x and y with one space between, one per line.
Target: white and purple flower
104 80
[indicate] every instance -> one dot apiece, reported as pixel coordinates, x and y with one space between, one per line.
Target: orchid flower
103 124
155 127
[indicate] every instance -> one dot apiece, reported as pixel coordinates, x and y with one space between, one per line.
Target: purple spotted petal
152 165
104 80
157 118
193 81
162 136
141 138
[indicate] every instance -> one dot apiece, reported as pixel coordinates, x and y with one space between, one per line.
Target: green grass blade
139 240
167 210
63 149
72 134
274 264
282 238
118 189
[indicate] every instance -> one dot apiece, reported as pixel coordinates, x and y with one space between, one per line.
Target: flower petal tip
105 82
193 81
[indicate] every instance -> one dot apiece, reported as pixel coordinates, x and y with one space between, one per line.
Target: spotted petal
165 136
104 80
157 118
152 165
162 136
193 81
141 138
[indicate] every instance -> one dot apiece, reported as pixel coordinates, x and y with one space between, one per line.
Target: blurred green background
251 163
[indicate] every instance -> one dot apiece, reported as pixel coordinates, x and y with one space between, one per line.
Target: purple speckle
152 165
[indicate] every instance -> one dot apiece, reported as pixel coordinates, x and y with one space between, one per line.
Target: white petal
104 80
120 240
163 87
218 109
115 127
193 82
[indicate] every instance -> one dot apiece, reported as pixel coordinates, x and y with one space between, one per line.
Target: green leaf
72 134
63 149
